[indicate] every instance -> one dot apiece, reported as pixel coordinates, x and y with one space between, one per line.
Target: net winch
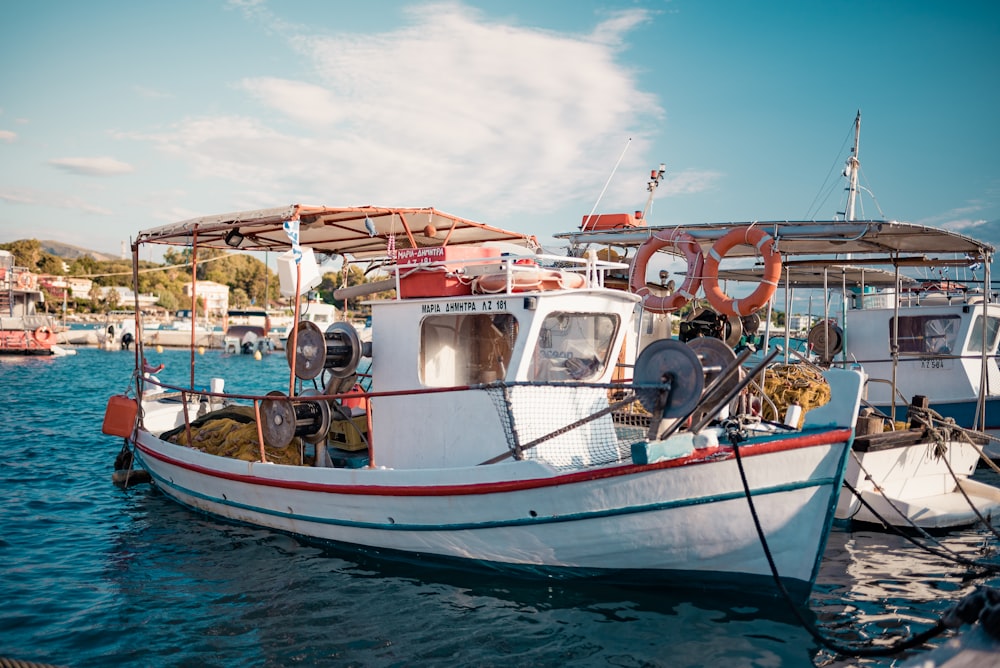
337 350
697 372
283 419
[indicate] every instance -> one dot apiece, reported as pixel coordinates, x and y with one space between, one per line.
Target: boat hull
625 521
925 483
20 342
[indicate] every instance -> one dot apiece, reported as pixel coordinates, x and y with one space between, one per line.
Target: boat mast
851 171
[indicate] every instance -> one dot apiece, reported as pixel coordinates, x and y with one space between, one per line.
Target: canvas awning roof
812 276
359 232
918 244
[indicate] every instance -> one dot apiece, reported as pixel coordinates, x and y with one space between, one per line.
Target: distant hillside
69 252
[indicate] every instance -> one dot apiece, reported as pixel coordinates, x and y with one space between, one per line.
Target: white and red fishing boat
494 433
24 329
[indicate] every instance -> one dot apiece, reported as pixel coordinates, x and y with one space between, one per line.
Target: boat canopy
920 243
360 232
820 274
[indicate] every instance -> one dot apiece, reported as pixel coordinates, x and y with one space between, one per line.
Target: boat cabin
427 344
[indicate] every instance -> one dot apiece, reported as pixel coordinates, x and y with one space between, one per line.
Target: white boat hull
912 483
624 519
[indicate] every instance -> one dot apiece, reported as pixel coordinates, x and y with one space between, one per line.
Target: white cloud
453 110
8 136
302 102
963 225
16 197
150 93
688 182
99 166
56 200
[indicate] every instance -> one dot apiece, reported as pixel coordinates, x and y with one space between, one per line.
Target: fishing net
787 384
232 432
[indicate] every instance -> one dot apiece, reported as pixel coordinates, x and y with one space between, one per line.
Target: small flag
292 230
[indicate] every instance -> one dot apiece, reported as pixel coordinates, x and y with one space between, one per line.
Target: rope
885 523
966 610
926 418
957 558
17 663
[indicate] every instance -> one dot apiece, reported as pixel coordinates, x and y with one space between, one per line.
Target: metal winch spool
690 368
338 350
669 360
715 357
283 419
826 339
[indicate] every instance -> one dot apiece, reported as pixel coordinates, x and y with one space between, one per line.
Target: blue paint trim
963 412
532 521
832 509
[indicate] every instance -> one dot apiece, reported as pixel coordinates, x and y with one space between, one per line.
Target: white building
214 295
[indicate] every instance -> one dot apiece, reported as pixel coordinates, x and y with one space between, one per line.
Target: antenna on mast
851 171
655 177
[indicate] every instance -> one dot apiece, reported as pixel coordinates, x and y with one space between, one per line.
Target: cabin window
573 346
466 349
927 334
976 339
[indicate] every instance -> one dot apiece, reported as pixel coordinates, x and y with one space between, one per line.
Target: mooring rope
913 525
970 608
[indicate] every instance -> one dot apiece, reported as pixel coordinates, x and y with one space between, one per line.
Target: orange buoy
764 243
682 242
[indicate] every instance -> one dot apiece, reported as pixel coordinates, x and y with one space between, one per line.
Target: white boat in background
910 338
316 311
493 434
247 332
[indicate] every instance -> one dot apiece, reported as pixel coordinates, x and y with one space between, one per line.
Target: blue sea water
96 576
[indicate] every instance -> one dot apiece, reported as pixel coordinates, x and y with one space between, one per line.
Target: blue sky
117 116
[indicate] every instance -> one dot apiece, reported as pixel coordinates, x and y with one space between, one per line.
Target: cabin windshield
573 346
922 334
976 339
466 349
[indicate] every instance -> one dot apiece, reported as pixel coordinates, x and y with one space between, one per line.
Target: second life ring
681 241
45 336
764 243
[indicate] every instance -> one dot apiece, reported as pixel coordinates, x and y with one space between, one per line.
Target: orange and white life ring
45 336
534 279
764 243
24 280
682 242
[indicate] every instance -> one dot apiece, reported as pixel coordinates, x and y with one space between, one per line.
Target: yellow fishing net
227 434
787 384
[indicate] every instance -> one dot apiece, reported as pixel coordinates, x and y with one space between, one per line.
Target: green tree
27 252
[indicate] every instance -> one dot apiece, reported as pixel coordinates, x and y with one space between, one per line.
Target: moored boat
24 329
495 433
910 337
247 331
